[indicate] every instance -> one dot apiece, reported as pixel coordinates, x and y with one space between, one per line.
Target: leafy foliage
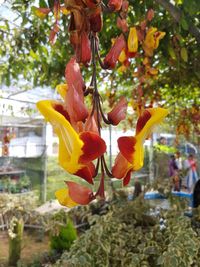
64 239
128 236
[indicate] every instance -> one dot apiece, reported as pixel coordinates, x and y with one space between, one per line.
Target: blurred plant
15 233
128 236
64 238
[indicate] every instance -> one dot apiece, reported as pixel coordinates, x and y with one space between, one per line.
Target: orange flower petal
127 178
126 146
142 121
94 146
80 194
87 172
121 167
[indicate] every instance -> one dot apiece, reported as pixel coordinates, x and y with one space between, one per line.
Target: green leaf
43 3
184 23
51 3
172 52
184 54
34 55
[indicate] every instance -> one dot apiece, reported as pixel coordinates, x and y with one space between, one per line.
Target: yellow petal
122 56
70 144
159 36
149 41
133 40
40 12
146 61
157 115
64 199
62 89
122 68
64 10
153 71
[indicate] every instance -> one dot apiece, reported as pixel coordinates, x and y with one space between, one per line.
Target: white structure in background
26 147
15 113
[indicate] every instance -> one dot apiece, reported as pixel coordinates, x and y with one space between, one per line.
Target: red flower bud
53 34
91 3
79 193
122 24
118 113
115 5
96 22
74 101
91 125
83 50
112 56
125 5
150 14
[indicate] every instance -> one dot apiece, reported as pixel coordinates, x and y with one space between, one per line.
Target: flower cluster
81 147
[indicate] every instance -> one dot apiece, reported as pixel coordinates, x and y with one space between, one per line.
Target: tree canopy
26 52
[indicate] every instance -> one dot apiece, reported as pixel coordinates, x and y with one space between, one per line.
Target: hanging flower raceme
77 149
131 155
85 18
79 128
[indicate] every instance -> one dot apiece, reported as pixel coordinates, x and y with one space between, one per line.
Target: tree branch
176 13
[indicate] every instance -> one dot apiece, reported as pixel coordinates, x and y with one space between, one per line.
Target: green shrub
65 237
128 236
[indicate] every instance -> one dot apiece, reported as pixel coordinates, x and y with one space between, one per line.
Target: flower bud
133 40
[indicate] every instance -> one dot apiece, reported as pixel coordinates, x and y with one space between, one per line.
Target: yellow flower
62 89
76 151
122 57
64 199
152 40
133 40
131 156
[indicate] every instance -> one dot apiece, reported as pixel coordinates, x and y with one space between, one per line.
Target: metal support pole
151 163
44 159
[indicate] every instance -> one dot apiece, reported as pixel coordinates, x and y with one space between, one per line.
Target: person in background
196 195
173 173
191 168
179 164
178 160
137 189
